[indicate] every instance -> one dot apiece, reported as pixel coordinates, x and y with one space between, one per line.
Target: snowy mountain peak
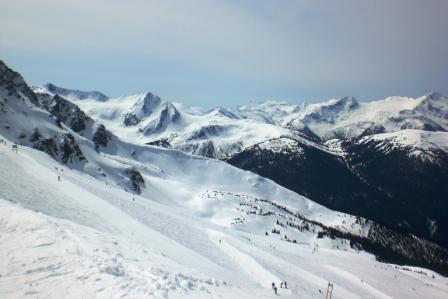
349 102
435 96
220 111
330 111
74 93
149 103
144 106
344 104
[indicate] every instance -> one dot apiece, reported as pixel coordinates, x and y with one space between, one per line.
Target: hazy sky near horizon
227 53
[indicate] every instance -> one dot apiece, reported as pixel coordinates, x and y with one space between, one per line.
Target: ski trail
358 282
313 279
264 277
249 265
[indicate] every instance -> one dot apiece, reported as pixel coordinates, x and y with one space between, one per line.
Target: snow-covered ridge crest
279 145
345 118
418 143
73 93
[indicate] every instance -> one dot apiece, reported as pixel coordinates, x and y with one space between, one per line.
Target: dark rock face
304 131
65 112
67 150
142 108
48 146
130 119
389 187
374 129
15 85
168 114
136 181
101 137
160 143
226 113
35 136
206 148
150 101
207 131
70 150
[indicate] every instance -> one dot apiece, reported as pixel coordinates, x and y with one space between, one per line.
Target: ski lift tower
329 291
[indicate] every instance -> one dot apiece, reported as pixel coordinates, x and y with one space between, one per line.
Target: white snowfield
190 234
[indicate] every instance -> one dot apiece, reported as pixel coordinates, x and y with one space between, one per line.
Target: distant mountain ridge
335 118
72 93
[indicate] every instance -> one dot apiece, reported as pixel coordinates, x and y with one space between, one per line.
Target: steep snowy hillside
80 237
100 217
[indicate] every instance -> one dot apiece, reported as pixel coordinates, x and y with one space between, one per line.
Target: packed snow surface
186 236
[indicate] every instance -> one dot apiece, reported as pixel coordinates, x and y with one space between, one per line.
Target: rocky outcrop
134 180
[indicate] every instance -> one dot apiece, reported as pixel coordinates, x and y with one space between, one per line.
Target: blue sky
228 53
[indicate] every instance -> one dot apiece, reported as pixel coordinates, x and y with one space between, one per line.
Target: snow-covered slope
138 220
83 238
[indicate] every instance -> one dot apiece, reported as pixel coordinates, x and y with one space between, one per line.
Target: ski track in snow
250 266
359 283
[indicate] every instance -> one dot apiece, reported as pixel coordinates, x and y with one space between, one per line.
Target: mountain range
384 160
136 196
